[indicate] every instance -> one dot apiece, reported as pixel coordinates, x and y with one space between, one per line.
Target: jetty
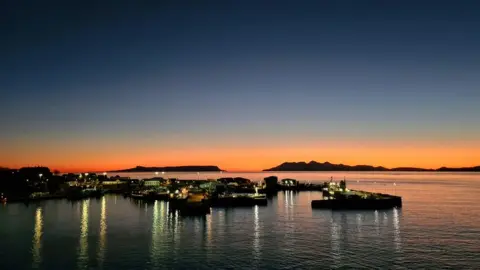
192 196
336 196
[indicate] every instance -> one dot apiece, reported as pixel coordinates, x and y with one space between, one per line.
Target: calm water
438 228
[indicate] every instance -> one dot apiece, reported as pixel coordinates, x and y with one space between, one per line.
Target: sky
244 85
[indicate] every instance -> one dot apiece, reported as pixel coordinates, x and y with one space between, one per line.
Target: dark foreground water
438 228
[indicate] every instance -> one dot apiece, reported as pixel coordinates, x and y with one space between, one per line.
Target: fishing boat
239 199
80 193
190 202
161 194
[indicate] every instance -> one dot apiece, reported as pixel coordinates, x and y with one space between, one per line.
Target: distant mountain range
172 169
327 166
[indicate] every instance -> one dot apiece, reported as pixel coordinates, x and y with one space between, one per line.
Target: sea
438 227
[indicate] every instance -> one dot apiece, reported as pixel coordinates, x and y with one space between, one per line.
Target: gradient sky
244 85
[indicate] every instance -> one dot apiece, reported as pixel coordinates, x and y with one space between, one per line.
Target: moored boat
239 199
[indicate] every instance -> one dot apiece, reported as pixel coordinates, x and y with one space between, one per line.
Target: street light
156 173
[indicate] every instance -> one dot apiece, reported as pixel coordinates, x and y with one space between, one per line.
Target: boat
191 202
80 193
146 195
239 199
37 196
161 194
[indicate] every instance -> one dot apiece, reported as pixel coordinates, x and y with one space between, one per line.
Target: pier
193 195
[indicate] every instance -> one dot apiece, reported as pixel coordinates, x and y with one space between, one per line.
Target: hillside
327 166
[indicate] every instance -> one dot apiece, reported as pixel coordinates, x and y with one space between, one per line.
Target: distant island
327 166
172 169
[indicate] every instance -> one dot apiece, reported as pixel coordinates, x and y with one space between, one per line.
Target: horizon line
73 170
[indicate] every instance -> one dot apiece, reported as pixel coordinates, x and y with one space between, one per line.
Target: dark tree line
28 180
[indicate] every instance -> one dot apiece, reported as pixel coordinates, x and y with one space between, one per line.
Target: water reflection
396 231
103 232
155 232
359 224
222 221
289 205
256 234
335 240
158 227
83 243
37 238
209 229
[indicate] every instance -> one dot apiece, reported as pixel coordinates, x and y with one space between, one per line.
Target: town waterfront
437 227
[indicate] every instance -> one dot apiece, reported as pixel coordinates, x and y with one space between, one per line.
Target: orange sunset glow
252 159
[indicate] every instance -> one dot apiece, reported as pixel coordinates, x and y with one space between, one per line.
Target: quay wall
359 204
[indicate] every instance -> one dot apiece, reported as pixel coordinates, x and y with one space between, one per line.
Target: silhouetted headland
172 169
327 166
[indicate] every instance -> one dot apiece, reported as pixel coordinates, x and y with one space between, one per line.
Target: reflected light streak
288 204
335 242
377 223
256 234
176 232
291 198
163 213
103 232
359 224
155 234
396 231
209 229
37 238
222 220
83 243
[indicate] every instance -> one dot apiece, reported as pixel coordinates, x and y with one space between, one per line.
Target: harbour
193 196
286 233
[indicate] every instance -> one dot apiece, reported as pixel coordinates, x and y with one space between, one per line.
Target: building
271 182
289 182
154 182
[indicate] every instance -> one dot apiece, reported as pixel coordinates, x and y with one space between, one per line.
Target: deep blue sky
236 74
